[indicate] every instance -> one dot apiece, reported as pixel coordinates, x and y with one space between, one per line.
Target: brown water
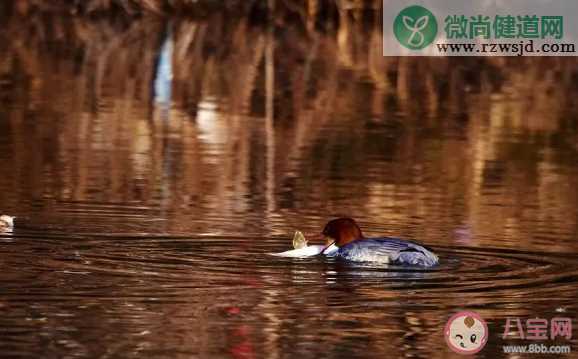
148 202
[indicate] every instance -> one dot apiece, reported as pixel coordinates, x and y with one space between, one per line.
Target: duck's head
338 232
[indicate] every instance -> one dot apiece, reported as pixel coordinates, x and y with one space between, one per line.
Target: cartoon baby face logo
466 333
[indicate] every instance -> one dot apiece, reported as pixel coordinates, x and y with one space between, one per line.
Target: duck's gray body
387 250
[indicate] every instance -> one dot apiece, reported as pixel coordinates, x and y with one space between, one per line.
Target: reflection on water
153 165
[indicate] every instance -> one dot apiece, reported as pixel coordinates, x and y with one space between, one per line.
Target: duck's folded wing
370 250
390 250
417 257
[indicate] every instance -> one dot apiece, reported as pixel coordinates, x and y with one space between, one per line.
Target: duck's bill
308 251
330 250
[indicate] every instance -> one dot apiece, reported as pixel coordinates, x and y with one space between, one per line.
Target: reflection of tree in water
353 131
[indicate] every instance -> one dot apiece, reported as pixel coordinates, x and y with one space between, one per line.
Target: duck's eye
473 338
459 335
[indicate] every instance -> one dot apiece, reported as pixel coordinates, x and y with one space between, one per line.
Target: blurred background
159 149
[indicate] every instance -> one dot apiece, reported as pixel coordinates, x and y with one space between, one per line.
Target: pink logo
466 333
537 328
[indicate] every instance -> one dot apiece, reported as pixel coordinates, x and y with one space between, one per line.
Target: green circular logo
415 27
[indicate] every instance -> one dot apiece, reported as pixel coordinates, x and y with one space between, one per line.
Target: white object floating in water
6 222
301 248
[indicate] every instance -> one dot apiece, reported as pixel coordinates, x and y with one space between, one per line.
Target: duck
344 240
6 223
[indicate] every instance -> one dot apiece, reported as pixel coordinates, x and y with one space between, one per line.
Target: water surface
154 164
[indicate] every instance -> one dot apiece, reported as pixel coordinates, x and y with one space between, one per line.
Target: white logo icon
415 26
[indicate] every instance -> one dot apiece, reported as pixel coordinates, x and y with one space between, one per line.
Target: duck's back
388 250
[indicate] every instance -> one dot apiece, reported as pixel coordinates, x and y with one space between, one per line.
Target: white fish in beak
308 251
302 250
